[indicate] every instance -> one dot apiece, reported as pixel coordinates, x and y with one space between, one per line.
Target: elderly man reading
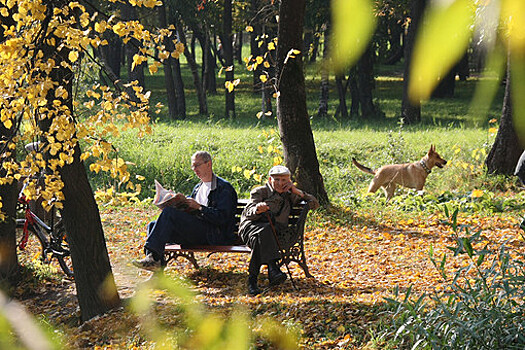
208 219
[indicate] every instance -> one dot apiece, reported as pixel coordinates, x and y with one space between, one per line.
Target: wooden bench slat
209 248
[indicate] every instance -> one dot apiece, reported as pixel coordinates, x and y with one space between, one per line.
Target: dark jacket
220 210
280 204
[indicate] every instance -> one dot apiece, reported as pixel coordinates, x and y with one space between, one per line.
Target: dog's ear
432 149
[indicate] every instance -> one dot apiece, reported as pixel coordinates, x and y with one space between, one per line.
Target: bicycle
52 237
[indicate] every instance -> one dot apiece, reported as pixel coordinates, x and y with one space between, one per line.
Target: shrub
481 306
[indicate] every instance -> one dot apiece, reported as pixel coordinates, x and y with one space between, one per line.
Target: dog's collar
424 165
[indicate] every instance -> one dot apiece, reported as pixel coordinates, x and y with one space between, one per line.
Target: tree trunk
227 48
506 149
96 289
322 111
365 78
354 92
190 57
446 86
169 80
292 115
341 93
209 81
411 112
238 46
8 196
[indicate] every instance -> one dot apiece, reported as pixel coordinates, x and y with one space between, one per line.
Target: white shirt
202 193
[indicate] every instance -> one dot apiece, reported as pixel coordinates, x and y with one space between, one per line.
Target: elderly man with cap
275 200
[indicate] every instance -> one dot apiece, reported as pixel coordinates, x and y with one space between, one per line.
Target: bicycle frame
51 243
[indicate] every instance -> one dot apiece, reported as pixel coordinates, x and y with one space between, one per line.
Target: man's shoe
148 263
276 276
253 289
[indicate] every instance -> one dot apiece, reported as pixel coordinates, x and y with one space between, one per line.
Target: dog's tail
362 167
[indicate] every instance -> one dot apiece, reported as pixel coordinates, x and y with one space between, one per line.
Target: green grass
460 137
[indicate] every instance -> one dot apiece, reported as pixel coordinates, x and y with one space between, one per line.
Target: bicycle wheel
60 248
51 243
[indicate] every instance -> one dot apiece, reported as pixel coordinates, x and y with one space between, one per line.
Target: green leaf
468 247
353 26
441 41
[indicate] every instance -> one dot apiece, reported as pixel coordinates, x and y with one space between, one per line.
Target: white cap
279 170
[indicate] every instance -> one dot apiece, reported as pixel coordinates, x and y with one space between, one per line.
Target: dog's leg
389 190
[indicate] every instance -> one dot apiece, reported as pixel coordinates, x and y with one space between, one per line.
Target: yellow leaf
153 69
248 28
73 56
247 173
263 78
476 193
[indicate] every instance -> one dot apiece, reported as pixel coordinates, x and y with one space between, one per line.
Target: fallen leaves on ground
356 260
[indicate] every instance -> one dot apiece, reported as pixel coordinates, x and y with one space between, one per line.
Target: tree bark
354 92
209 80
365 78
506 149
341 93
411 112
169 80
446 86
190 57
292 115
322 111
227 47
8 195
96 289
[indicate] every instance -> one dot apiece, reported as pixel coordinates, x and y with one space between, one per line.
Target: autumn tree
41 56
411 107
292 115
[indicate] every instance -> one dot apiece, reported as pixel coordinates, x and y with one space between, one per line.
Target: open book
164 198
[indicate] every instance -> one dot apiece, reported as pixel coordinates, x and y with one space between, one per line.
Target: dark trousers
261 240
176 226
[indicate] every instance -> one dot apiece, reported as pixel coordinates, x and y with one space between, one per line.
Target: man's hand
261 208
291 188
193 204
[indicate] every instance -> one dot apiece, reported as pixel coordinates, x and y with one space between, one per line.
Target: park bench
292 241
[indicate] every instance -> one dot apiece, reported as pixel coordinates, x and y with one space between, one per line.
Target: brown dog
412 175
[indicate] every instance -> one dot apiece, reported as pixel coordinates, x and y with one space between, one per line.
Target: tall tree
227 49
8 194
366 83
96 289
507 148
292 115
410 111
169 79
